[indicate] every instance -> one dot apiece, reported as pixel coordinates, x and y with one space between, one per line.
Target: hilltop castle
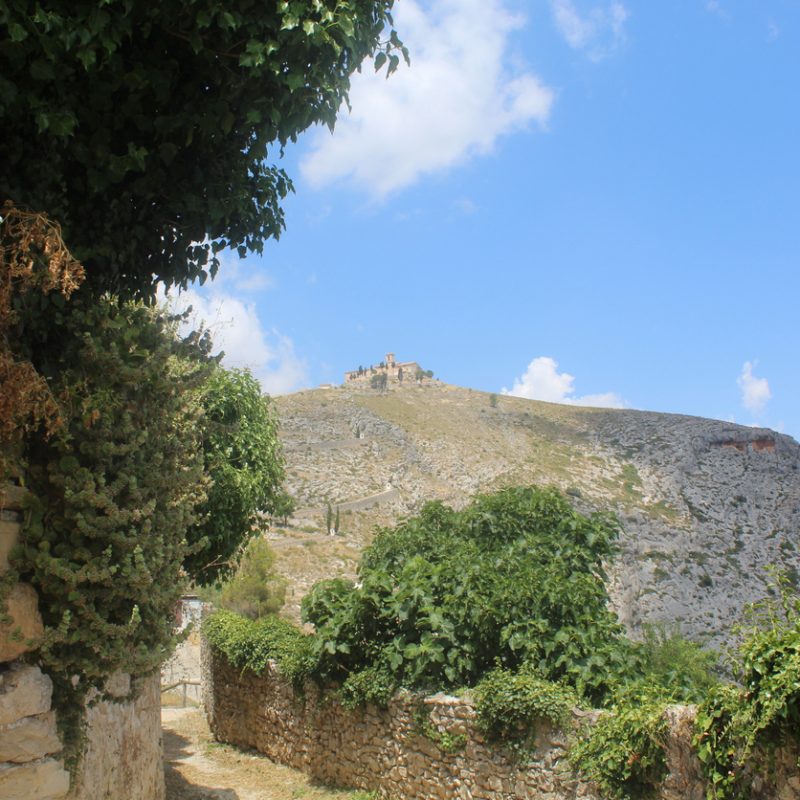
394 371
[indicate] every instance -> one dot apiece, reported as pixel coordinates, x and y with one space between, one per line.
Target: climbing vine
739 727
112 493
509 704
622 752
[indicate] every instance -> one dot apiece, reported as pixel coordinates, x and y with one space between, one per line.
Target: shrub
255 590
683 667
515 577
374 685
509 703
251 644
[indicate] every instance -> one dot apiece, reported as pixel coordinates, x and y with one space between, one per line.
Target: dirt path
198 768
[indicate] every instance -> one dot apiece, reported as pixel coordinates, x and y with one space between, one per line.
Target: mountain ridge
704 505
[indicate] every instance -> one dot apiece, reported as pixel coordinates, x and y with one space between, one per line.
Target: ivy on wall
114 490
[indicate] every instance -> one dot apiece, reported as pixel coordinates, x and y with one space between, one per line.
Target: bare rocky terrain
705 506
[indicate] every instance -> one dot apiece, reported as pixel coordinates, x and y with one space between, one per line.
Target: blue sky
572 200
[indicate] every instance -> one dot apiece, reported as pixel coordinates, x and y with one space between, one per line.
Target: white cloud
543 381
715 7
458 96
755 391
598 31
237 330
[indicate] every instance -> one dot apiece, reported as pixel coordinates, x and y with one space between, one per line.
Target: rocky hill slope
704 505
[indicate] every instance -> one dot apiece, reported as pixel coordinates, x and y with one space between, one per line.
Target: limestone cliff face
704 505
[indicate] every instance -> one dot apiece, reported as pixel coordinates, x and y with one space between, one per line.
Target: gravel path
198 768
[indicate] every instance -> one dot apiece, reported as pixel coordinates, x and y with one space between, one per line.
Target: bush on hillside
671 660
255 590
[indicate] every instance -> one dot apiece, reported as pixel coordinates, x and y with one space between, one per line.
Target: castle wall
391 368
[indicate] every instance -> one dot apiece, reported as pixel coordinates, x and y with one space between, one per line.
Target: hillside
704 505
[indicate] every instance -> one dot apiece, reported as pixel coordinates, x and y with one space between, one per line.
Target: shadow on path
179 749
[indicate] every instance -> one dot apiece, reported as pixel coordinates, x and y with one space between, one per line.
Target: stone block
24 692
12 497
45 779
29 739
25 628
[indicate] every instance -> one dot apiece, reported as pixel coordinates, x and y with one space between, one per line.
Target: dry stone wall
28 738
123 757
384 749
29 743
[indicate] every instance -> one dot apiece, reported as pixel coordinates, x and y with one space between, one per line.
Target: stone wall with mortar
124 754
123 757
383 749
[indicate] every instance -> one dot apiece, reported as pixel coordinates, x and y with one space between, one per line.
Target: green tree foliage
284 506
739 726
378 381
115 489
255 589
244 460
516 579
145 128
